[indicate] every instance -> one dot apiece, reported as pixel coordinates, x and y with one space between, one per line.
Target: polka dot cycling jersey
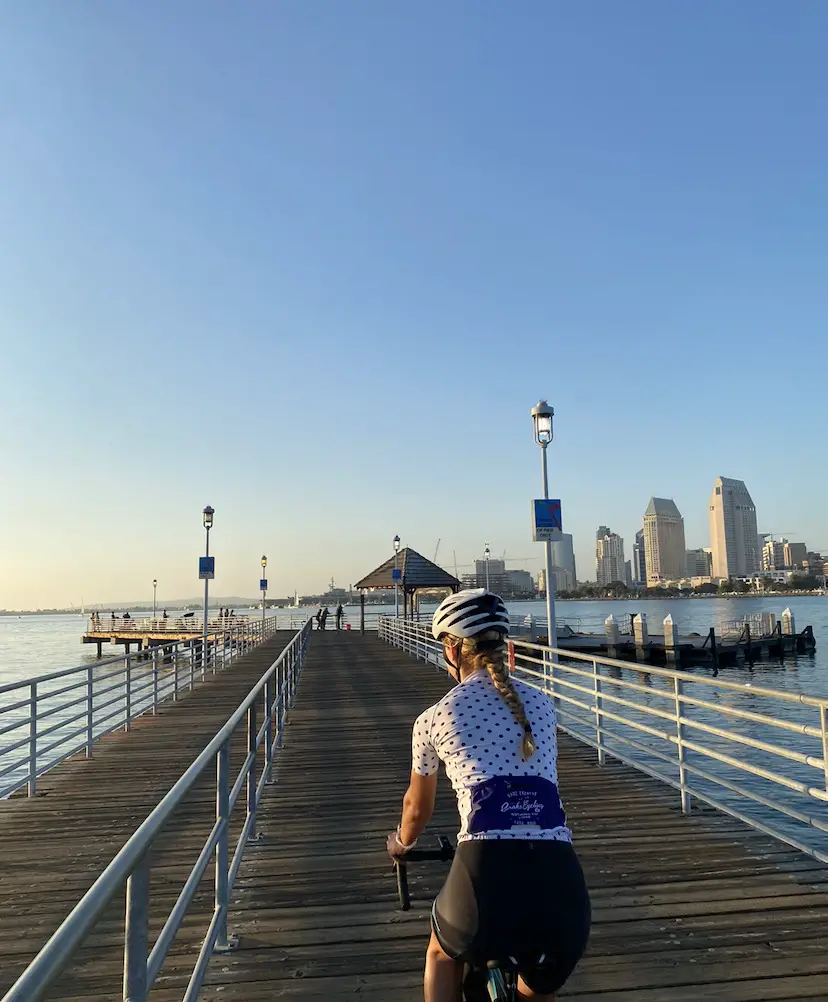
499 794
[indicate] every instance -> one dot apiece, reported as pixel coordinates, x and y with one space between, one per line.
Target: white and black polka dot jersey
474 733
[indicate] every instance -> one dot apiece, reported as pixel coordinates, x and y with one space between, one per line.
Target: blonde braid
492 657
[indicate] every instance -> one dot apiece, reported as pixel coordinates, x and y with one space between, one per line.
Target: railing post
222 854
192 665
90 711
32 739
154 681
175 673
823 723
136 932
277 711
128 693
599 716
251 772
685 795
269 728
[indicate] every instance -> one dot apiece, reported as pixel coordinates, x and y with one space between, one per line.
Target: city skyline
313 265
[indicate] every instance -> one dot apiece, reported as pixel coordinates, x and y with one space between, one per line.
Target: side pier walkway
53 846
684 908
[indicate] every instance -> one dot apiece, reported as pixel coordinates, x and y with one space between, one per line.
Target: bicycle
484 980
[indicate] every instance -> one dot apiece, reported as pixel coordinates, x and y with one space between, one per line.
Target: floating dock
736 642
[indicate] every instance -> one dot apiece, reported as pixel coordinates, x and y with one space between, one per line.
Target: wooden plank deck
684 908
53 846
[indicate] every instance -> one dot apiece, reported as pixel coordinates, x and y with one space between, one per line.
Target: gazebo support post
362 612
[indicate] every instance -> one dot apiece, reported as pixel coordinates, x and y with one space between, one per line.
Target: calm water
34 645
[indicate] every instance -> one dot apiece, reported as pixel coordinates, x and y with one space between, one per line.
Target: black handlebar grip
402 885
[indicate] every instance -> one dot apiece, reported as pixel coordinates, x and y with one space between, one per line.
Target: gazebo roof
417 572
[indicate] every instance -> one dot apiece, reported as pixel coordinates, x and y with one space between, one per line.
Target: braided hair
488 650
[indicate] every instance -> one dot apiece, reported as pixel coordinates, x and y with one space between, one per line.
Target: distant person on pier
324 620
318 618
127 616
340 612
165 616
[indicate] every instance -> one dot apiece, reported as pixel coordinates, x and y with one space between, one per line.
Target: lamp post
154 588
486 554
264 592
542 415
396 590
208 525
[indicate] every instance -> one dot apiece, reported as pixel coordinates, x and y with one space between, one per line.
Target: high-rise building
795 555
563 562
639 559
564 580
609 556
699 563
664 550
733 533
497 568
773 555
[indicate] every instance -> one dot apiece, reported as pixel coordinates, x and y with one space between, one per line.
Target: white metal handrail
75 707
756 753
273 695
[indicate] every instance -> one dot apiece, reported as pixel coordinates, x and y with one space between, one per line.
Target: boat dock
686 906
744 641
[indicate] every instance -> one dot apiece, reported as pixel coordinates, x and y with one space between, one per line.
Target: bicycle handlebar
444 852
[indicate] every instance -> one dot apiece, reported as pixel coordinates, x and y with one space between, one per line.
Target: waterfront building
773 555
639 559
795 555
609 556
699 563
563 556
664 549
564 580
733 534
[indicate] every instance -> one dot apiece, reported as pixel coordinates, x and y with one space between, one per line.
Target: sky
313 263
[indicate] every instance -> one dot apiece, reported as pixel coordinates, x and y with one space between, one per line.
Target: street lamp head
487 551
396 544
208 517
542 415
264 561
155 582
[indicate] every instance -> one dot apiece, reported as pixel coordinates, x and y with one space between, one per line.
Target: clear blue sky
312 263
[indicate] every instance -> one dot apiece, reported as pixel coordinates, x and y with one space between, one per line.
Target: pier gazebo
416 573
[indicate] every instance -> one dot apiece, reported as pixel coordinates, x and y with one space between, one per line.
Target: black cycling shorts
521 898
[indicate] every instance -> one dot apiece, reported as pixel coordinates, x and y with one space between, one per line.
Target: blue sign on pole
547 523
263 584
396 574
206 567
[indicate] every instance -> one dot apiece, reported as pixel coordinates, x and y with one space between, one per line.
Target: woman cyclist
515 888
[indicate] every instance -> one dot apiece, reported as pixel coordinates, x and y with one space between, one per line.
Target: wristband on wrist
400 842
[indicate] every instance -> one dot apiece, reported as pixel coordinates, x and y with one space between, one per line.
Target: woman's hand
396 850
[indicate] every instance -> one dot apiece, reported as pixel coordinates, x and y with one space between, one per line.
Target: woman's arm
418 806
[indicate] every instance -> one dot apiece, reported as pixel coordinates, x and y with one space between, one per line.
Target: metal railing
755 753
45 720
273 695
172 624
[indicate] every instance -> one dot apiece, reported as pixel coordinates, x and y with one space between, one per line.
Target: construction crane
436 548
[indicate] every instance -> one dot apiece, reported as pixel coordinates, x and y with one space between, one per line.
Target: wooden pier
685 908
146 633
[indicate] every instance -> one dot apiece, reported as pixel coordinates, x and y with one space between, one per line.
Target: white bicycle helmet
469 612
